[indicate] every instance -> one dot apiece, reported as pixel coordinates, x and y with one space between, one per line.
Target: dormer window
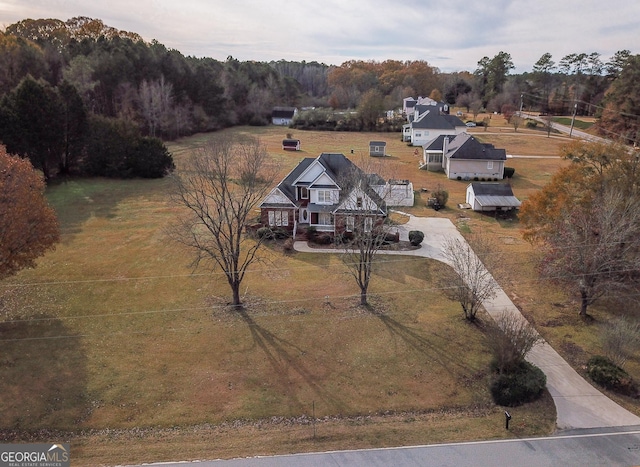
359 201
304 192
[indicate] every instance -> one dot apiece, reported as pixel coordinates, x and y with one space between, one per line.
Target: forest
81 97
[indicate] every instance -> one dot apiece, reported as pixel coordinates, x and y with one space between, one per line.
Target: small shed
484 196
291 144
377 148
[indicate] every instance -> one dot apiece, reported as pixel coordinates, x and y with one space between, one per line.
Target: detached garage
483 196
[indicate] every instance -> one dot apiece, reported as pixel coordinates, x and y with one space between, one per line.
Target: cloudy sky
449 34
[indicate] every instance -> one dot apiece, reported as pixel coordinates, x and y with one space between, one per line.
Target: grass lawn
134 357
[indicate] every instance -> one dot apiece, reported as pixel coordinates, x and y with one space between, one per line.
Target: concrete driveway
578 403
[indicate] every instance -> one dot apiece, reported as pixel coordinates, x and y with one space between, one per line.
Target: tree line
101 81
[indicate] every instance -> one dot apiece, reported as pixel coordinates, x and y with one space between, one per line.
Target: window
324 196
324 218
304 193
368 224
490 165
350 224
359 201
435 158
278 218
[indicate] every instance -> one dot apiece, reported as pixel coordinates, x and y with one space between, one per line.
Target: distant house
320 193
463 157
409 104
377 148
429 124
291 144
283 115
484 196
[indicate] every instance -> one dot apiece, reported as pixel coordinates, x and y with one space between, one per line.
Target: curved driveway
578 403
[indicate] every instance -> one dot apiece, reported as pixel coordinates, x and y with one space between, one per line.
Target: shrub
312 233
441 195
508 172
323 239
416 237
391 237
475 179
458 177
524 384
532 124
280 233
265 233
608 375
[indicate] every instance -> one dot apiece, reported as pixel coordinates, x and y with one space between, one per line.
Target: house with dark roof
429 124
466 158
283 115
329 193
484 196
463 157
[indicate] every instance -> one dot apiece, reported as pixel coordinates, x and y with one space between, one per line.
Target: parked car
471 124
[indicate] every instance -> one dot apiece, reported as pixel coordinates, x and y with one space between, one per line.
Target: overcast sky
449 34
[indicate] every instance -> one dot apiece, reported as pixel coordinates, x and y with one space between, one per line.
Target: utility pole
573 118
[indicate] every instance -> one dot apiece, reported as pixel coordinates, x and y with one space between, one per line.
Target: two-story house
429 123
329 193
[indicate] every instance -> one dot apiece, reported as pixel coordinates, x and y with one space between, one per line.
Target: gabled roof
283 112
432 119
335 166
437 144
286 185
494 194
465 146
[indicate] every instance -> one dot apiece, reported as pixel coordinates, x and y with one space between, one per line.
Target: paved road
578 403
585 448
567 129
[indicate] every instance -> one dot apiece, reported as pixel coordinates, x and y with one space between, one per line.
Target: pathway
578 403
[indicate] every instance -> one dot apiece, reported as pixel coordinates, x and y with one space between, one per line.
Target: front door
304 216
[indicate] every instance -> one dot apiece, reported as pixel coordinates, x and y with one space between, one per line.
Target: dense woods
87 80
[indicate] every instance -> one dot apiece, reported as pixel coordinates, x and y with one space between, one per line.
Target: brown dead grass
133 342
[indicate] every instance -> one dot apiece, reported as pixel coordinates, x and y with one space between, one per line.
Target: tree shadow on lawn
438 354
43 379
78 200
283 357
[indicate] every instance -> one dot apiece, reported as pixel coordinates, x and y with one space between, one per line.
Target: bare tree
594 249
361 223
468 281
156 102
620 339
511 338
220 187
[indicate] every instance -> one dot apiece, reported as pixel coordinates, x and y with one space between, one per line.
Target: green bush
509 172
608 375
524 384
416 237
